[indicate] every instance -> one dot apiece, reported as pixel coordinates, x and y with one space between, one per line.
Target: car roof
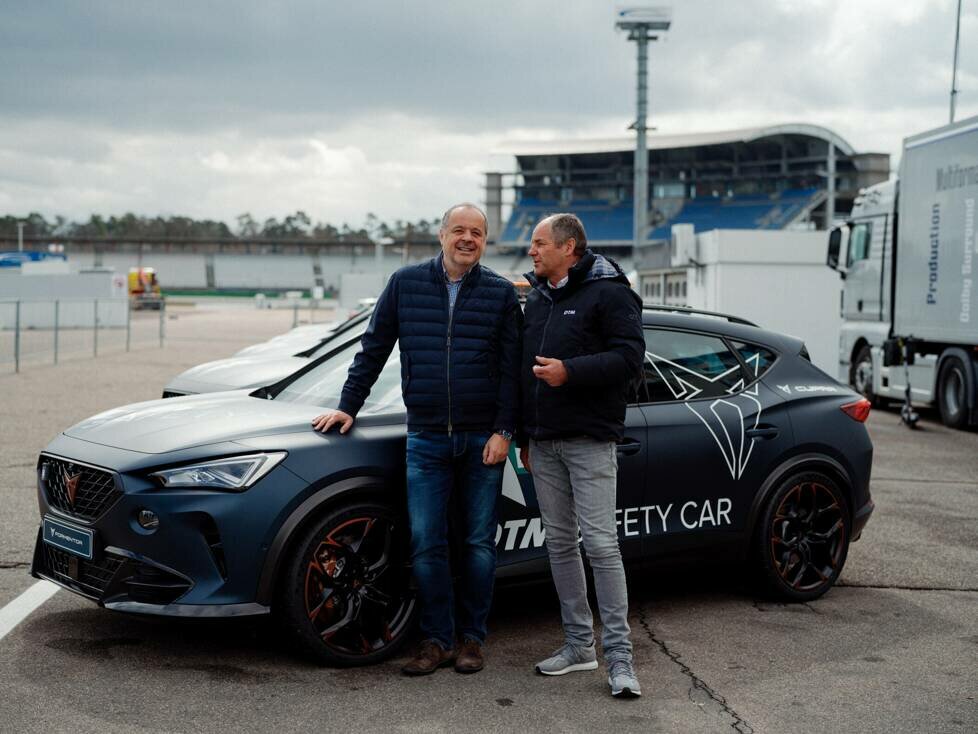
718 323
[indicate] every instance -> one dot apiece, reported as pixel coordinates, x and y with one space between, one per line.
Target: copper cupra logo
71 485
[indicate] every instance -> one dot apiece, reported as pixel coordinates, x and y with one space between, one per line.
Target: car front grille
90 578
95 489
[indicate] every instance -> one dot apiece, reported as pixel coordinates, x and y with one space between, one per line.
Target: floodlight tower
643 24
954 69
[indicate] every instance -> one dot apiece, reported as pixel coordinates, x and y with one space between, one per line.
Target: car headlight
236 473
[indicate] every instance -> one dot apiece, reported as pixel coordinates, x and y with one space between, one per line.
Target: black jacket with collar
593 324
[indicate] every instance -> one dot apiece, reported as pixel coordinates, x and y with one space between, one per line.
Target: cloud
213 109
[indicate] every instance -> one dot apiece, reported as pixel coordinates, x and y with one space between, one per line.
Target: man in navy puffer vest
458 327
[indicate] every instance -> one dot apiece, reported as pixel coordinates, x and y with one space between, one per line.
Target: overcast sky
212 109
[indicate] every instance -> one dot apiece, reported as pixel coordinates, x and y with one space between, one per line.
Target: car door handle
628 447
762 432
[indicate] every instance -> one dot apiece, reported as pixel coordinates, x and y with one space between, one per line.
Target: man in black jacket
457 325
582 352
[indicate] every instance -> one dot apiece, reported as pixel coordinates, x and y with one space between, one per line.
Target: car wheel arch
800 463
319 502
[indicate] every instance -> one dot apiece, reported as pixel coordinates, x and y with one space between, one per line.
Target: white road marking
19 609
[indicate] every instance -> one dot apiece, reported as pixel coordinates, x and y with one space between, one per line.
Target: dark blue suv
229 504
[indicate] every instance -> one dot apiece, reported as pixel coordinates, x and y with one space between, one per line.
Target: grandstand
760 178
756 178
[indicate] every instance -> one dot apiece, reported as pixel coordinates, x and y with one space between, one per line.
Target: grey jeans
575 481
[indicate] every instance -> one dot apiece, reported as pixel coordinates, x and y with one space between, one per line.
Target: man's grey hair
464 205
565 226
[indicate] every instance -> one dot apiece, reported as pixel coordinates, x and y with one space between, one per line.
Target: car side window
681 365
758 359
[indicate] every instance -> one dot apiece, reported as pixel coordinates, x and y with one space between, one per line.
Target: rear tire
803 538
861 375
346 598
952 393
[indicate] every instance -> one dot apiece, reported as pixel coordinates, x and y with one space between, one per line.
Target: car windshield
322 385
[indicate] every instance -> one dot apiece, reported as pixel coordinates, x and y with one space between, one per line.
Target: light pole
20 236
954 69
642 24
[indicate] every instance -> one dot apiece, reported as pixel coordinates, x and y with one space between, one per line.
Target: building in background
765 178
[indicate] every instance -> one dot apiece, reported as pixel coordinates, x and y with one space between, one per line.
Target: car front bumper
860 519
203 560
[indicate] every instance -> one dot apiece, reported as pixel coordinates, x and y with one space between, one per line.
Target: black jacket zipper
543 340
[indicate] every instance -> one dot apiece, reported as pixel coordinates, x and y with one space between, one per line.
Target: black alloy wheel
347 598
952 393
803 539
861 375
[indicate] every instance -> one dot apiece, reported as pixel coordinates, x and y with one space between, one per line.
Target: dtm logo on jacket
593 324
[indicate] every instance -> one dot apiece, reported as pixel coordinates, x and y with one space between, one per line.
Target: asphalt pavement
893 648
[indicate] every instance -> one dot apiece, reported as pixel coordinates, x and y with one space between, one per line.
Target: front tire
952 393
803 539
346 599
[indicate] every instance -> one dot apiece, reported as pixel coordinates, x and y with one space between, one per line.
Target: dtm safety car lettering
736 450
633 521
513 480
532 529
706 516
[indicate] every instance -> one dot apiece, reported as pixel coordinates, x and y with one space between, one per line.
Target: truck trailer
908 257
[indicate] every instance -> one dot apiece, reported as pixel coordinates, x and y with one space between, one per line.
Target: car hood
235 373
161 426
281 346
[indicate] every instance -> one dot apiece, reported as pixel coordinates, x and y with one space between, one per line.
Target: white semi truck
909 262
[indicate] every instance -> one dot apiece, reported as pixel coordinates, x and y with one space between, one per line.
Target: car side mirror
838 249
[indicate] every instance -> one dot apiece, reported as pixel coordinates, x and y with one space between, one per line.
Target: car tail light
859 410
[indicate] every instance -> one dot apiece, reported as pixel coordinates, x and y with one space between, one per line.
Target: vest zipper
543 339
448 362
448 339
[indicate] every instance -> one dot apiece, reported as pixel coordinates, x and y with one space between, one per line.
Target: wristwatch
505 434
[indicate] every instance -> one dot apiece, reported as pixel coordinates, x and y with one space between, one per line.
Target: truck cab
861 251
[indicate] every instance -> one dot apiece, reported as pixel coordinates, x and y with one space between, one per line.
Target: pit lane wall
28 296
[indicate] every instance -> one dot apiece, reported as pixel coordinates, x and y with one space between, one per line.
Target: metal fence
36 332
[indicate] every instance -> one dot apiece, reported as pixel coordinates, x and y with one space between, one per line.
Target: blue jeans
438 466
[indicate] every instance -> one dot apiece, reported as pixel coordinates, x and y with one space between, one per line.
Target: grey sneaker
568 659
621 678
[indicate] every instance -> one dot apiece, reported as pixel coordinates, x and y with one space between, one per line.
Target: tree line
293 226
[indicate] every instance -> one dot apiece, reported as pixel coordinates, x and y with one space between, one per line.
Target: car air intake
152 585
213 537
90 578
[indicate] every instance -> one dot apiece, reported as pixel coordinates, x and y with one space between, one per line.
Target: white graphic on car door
719 413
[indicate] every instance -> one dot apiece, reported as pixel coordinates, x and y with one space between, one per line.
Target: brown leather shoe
429 657
471 657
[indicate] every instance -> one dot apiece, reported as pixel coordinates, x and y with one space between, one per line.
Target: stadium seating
606 222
